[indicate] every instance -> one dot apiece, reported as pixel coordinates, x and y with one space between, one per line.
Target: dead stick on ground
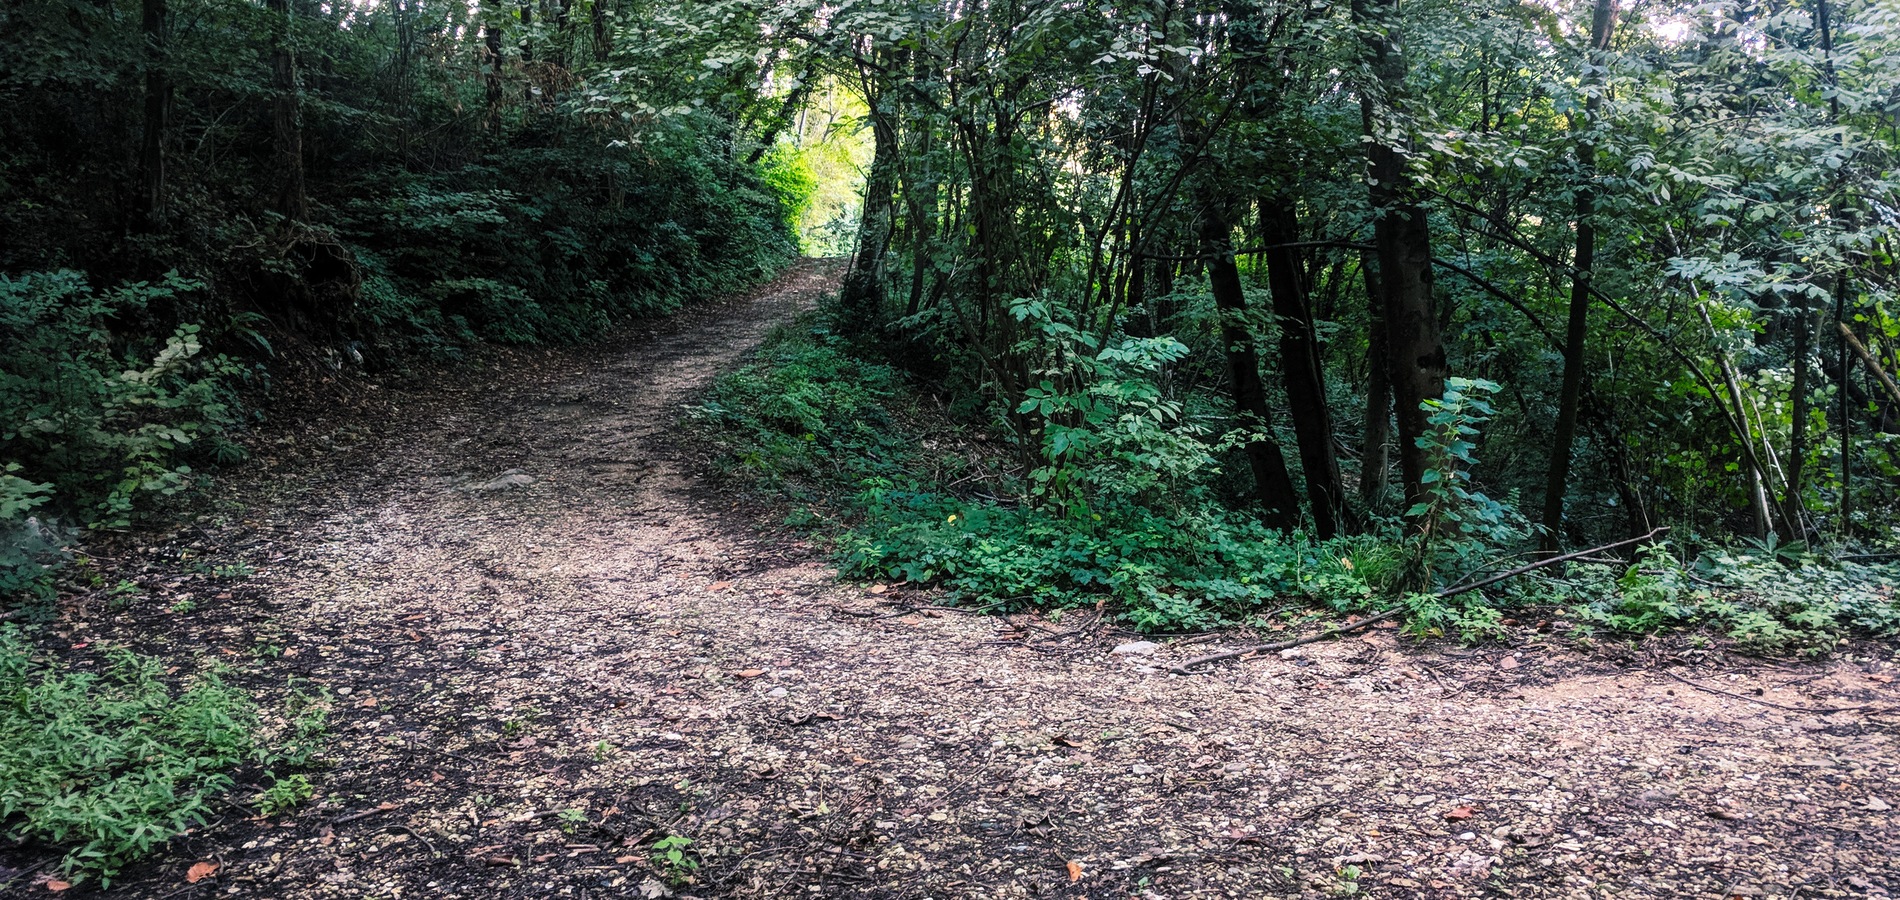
1814 710
1187 667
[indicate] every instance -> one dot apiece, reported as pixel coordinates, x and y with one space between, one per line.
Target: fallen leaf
880 588
718 585
1875 804
385 806
200 871
623 860
1883 679
1075 870
1459 813
749 673
1509 662
58 885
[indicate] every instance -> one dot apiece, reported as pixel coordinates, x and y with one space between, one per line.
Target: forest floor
552 641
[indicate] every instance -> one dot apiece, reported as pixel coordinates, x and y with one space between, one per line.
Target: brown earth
552 644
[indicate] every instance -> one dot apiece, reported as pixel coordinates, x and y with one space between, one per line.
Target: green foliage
30 550
285 794
1766 602
110 423
787 172
805 407
823 426
676 859
112 765
520 250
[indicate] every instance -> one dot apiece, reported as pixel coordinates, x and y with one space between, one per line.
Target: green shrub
112 765
818 423
110 424
289 792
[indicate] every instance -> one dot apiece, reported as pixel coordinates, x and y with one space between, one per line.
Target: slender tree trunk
861 299
491 62
287 115
1557 477
1792 507
1273 486
1375 451
1754 471
158 103
1403 237
1304 370
603 36
525 47
1846 410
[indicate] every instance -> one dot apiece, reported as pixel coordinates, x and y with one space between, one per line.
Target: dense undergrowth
904 490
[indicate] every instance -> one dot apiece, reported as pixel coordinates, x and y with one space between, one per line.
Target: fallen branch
1867 359
1187 667
1814 710
1369 621
1547 561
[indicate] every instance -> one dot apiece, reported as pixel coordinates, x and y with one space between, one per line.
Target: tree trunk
158 102
1375 451
491 62
1304 370
526 48
603 37
1402 234
861 299
1272 485
286 115
1557 477
1754 472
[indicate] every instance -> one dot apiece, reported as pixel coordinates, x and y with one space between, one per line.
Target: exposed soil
526 603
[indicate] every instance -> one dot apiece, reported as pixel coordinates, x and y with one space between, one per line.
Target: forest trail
551 644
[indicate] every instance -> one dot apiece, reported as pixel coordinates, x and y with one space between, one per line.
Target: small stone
776 693
510 480
1136 648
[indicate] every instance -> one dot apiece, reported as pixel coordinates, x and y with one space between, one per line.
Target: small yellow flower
1347 562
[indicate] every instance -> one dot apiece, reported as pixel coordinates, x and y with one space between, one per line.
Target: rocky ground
557 653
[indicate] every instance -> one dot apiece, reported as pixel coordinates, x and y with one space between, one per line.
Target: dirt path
527 605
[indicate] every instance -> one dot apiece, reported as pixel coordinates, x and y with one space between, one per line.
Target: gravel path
551 645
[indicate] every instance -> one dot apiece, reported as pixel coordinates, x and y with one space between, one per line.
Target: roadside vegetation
204 204
901 488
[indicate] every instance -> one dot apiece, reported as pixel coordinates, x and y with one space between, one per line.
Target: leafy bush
520 248
1766 602
109 424
112 765
822 425
1126 516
